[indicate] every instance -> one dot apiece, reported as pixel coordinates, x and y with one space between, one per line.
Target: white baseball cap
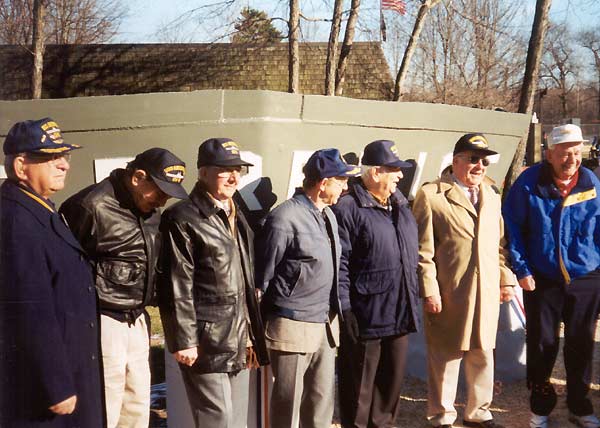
566 134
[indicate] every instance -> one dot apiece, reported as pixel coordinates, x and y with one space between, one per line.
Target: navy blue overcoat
49 346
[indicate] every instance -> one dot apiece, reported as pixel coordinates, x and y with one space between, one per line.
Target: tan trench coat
462 258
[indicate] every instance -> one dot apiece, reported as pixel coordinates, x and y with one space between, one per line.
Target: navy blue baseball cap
383 153
41 136
327 163
220 152
166 170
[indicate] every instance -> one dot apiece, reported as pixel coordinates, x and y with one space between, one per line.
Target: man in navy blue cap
116 221
48 315
208 301
378 289
298 253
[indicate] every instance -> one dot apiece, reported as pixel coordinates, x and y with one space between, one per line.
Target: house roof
116 69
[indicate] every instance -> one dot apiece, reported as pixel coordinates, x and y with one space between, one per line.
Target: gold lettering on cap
479 141
231 146
175 172
53 131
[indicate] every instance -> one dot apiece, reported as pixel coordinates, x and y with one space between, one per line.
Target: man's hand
433 304
186 356
506 293
65 407
351 326
527 283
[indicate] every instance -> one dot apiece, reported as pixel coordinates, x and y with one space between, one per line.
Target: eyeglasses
224 172
475 160
52 158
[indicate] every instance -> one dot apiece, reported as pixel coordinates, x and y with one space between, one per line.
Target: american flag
395 5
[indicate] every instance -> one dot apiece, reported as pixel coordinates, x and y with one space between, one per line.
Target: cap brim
399 164
231 162
352 171
484 152
63 148
569 141
174 190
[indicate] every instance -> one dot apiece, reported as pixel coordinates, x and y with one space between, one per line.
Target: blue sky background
146 17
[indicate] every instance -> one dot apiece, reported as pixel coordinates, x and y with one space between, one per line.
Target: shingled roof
115 69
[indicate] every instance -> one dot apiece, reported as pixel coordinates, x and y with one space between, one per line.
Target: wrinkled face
469 167
222 181
45 174
147 196
565 159
332 188
386 181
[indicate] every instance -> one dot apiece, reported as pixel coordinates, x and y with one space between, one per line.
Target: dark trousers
577 305
370 379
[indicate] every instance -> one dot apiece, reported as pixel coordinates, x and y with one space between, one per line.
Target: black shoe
443 426
484 424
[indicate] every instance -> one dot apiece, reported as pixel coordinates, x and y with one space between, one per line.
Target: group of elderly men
347 250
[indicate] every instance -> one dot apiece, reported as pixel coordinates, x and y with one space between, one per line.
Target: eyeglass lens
475 159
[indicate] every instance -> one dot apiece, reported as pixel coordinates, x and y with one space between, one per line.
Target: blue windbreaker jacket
552 236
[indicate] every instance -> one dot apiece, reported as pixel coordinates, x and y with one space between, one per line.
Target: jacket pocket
368 283
219 320
120 281
375 301
288 277
215 308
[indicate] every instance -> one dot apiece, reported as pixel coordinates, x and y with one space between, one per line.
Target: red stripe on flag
395 5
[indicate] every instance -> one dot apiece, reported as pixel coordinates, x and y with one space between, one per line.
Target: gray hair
365 170
9 165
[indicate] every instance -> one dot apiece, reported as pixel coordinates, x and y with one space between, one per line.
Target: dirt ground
510 406
511 401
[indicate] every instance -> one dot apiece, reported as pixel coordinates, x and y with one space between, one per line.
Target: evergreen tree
254 26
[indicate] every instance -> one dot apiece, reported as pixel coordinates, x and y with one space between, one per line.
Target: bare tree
16 22
426 5
468 54
590 39
294 56
559 63
332 47
65 22
39 12
530 80
346 47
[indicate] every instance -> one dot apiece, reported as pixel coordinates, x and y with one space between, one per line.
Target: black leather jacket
121 241
206 285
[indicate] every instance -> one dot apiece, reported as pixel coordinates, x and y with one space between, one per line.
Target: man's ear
323 184
137 177
19 167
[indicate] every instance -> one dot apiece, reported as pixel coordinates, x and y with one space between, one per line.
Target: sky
146 17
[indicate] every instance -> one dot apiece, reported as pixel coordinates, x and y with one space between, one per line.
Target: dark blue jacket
378 268
555 237
296 265
48 318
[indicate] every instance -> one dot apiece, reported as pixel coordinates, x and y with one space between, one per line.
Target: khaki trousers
443 371
125 352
